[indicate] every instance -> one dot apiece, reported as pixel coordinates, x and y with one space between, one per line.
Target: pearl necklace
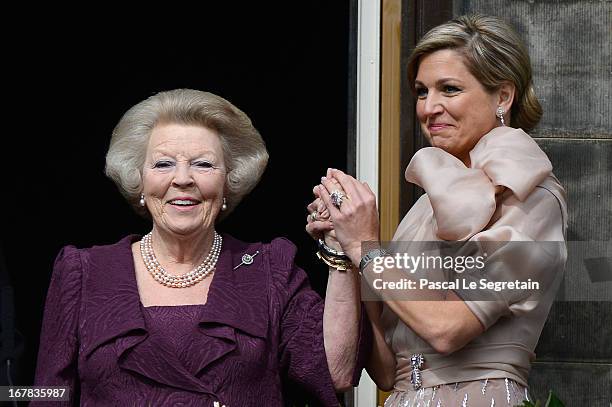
185 280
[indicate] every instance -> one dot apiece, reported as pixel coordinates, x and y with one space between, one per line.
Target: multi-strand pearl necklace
185 280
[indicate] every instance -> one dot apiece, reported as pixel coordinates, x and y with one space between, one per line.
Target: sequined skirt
477 393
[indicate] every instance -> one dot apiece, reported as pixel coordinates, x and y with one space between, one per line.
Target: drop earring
224 206
142 200
500 115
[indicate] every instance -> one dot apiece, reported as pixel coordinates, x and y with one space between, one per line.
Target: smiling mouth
437 126
184 202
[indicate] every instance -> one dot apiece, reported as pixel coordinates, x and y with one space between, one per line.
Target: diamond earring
500 115
142 200
224 206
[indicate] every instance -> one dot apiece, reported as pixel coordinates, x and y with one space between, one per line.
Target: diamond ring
337 197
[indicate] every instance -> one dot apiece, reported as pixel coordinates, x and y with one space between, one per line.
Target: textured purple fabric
261 324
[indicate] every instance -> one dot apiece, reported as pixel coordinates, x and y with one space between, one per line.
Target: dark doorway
284 64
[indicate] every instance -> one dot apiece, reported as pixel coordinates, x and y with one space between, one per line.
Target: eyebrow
202 153
439 81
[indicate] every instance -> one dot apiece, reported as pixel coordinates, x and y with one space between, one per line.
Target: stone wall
570 44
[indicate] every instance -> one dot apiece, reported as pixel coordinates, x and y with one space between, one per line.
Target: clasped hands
344 213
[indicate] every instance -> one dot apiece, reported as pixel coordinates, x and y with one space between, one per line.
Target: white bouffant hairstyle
244 150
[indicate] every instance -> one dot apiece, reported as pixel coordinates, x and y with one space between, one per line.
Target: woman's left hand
356 219
319 226
318 222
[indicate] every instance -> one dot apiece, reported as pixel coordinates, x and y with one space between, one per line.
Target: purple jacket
262 324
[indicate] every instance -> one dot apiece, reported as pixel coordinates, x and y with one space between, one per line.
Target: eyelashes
162 164
422 92
203 164
199 164
450 89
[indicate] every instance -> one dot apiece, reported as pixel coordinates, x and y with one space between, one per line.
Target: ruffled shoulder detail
463 199
510 157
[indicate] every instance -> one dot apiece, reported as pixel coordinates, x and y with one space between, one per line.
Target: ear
505 95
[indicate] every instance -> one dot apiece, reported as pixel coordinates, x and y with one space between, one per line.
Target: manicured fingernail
323 178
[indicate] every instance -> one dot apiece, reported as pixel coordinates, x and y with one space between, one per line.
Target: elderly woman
184 315
485 180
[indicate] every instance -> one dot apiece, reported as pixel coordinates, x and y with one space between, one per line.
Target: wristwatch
370 256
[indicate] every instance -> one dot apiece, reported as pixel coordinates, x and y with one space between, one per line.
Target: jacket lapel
237 300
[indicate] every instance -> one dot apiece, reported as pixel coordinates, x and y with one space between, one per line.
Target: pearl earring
500 115
142 200
224 206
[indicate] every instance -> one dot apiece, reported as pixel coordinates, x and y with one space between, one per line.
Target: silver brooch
247 259
416 362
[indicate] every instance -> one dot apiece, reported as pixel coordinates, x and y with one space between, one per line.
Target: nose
182 176
432 104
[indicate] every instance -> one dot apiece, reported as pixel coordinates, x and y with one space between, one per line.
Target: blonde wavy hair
494 53
244 150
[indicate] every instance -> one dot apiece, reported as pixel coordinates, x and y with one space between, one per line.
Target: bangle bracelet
331 252
335 263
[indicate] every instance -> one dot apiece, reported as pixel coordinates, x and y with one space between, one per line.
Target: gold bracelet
336 264
331 252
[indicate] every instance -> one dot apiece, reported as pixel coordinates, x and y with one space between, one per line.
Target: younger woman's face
453 107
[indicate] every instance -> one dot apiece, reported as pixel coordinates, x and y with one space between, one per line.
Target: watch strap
370 256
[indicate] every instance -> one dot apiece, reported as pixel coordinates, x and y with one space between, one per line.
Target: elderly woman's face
454 109
184 178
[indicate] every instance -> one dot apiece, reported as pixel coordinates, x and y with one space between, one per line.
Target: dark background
70 79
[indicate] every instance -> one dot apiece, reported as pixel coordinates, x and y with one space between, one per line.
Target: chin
440 143
183 229
181 232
